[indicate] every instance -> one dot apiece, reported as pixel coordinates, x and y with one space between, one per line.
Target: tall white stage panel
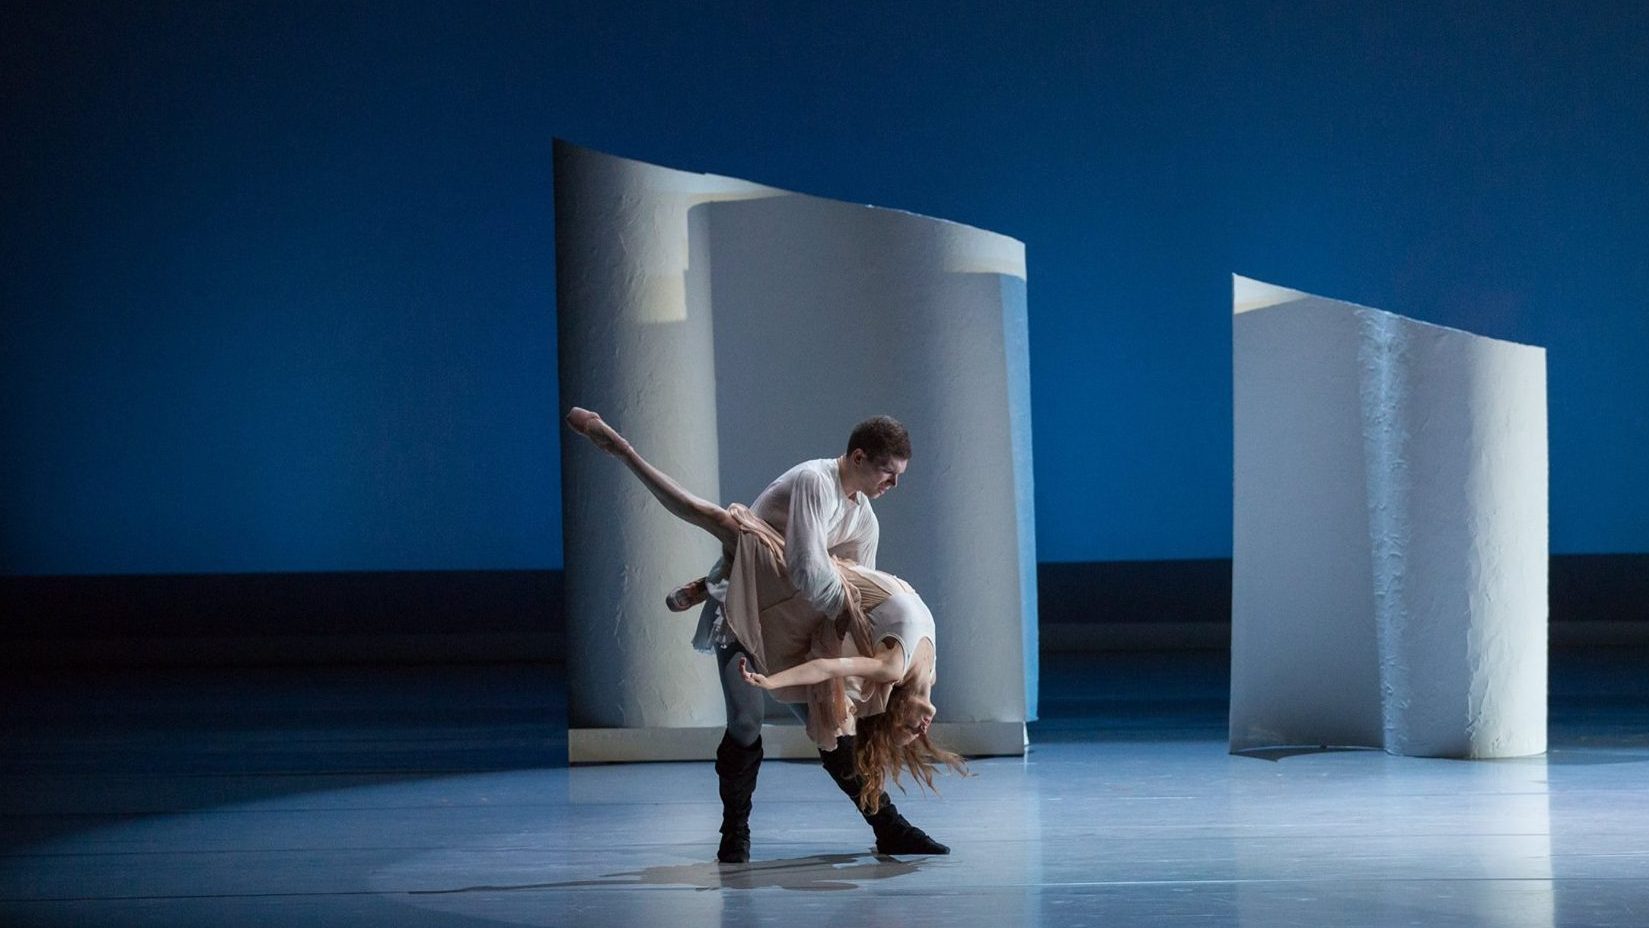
1390 532
732 330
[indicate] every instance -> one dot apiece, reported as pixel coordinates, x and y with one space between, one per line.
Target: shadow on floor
811 874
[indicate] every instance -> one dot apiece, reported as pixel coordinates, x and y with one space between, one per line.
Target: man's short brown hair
881 438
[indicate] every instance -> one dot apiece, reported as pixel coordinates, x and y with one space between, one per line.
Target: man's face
880 476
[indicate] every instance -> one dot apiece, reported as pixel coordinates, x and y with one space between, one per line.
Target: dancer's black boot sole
894 835
736 769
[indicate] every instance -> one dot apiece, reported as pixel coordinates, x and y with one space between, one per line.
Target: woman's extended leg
682 504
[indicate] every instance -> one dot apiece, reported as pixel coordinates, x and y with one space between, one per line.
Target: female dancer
870 671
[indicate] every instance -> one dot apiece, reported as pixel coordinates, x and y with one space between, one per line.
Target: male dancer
823 509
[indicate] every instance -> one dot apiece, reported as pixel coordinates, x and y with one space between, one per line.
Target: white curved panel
796 317
1390 533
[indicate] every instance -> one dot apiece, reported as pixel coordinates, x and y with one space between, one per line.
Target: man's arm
807 557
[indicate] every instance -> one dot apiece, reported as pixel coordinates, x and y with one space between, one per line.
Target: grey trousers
746 704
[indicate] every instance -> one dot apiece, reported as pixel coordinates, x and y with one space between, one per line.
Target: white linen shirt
806 504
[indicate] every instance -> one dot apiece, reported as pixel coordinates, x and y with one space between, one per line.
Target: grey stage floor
439 796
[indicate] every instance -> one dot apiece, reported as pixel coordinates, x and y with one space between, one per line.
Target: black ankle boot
894 835
736 768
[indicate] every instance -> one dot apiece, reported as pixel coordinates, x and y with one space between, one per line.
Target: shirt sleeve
805 536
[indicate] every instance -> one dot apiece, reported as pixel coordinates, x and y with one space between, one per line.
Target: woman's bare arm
880 669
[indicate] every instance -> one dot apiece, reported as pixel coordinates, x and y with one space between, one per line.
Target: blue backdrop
278 282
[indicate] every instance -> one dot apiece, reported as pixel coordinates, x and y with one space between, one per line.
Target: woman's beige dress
781 629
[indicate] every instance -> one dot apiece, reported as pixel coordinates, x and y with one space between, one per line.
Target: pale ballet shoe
688 595
593 427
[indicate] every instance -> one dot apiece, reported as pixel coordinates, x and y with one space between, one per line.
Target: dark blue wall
278 282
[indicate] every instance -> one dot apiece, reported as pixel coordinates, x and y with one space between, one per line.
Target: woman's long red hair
877 755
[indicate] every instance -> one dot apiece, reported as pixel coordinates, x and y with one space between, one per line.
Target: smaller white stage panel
1390 532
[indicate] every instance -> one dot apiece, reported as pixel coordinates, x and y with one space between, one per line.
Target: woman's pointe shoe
688 595
593 427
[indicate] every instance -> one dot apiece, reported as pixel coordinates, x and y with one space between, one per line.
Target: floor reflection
183 811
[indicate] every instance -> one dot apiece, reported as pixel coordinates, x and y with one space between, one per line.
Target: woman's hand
751 677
